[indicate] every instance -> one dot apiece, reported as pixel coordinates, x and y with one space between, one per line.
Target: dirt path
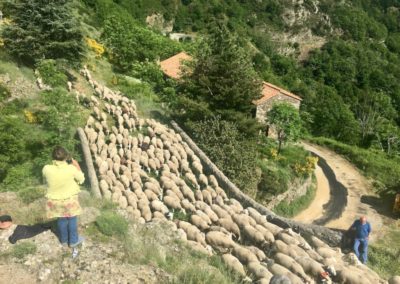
316 209
343 207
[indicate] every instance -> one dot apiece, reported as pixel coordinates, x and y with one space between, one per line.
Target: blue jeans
364 249
68 230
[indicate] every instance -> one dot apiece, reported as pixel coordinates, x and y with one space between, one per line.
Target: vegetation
42 29
291 209
381 256
112 224
23 249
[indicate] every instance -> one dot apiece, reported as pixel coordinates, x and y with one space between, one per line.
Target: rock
89 215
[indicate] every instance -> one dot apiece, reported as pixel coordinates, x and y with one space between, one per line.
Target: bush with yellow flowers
307 167
1 42
30 117
98 48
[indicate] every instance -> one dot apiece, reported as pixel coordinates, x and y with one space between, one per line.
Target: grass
382 168
112 224
293 208
30 194
384 254
23 249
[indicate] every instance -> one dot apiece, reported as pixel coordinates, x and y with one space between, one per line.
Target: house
171 67
272 94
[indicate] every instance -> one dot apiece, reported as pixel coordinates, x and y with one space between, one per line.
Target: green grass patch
384 255
382 168
293 208
23 249
112 224
30 194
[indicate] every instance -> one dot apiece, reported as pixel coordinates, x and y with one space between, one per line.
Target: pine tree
42 29
222 76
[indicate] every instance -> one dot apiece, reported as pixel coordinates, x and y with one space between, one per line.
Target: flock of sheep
148 169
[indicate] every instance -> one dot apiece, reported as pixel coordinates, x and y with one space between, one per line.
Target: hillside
204 181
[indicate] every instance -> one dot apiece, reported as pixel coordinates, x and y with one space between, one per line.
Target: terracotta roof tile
172 66
269 90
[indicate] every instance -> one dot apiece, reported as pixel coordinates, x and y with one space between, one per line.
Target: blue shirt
362 230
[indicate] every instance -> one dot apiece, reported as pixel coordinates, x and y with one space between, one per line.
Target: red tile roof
269 90
172 66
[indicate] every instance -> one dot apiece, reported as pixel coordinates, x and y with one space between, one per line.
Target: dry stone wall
333 238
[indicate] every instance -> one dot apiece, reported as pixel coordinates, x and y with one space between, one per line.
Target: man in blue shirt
362 230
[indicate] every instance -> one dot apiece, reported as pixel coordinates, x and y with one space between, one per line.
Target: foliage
23 249
52 73
383 253
218 137
42 29
293 208
285 120
128 42
382 168
220 78
274 180
112 224
61 115
97 47
4 93
30 194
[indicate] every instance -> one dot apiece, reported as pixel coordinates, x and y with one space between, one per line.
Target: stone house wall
262 109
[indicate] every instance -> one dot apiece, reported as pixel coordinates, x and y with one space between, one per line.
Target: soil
347 187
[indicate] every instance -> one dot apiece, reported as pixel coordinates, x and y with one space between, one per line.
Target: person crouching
63 179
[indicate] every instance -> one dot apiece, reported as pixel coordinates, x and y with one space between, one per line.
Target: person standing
63 179
362 230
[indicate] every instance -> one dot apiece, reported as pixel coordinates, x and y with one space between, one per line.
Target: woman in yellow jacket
63 181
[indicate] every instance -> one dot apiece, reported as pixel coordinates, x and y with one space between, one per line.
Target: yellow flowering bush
98 48
1 42
306 168
30 117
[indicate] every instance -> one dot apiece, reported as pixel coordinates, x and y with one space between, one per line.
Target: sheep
310 266
194 234
207 197
268 236
243 220
394 280
198 247
188 193
277 269
221 213
197 167
220 229
204 216
233 263
258 271
349 275
290 264
199 223
259 253
203 180
252 235
198 195
213 181
123 202
219 240
243 254
172 202
157 205
236 205
189 207
146 213
150 195
229 225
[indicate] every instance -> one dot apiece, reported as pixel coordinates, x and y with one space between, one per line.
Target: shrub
273 181
23 249
30 194
4 93
112 224
52 73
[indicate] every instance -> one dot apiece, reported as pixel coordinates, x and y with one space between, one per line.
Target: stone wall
297 189
333 238
262 109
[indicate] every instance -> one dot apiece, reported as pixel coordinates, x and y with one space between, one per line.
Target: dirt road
345 206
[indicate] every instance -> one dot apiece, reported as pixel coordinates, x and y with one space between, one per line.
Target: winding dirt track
346 185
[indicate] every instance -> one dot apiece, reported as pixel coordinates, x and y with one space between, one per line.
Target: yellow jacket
62 180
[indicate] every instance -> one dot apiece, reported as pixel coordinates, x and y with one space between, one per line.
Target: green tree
234 153
42 29
221 74
286 122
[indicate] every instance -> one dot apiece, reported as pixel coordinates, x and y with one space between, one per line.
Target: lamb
219 240
194 234
259 271
198 247
233 263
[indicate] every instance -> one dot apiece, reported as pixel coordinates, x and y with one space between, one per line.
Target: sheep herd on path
148 170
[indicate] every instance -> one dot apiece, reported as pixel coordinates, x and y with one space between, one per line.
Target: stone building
272 94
